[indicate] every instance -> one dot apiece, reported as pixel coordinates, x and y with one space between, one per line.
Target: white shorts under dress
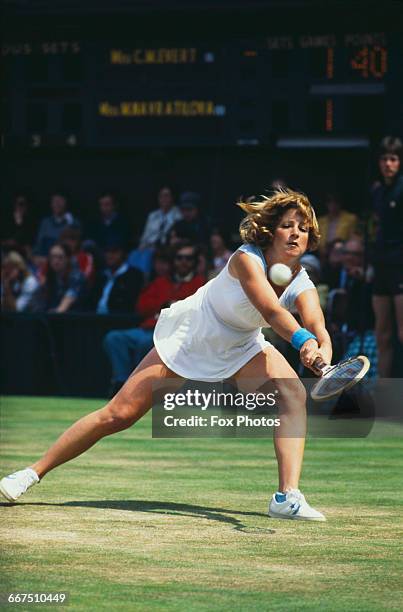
213 333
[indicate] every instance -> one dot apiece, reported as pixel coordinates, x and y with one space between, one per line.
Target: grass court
180 525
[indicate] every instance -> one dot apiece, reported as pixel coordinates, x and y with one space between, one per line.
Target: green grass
180 525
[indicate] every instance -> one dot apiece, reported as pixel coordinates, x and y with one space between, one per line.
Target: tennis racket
334 379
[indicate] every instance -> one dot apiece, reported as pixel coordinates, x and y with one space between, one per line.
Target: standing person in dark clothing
110 226
387 198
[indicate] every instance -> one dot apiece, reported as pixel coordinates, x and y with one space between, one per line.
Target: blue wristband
300 336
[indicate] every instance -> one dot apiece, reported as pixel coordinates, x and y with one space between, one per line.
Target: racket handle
319 365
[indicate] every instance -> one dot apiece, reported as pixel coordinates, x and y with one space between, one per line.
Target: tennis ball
280 274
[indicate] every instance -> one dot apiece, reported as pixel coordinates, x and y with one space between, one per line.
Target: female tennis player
216 334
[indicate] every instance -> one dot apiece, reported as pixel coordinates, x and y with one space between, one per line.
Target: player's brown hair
265 214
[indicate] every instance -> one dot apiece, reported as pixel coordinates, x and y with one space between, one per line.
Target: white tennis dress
213 333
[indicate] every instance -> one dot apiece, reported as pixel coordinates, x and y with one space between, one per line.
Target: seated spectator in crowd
63 288
173 239
311 263
337 223
118 286
110 226
160 221
125 348
333 263
18 285
192 226
19 227
353 264
202 267
156 231
162 263
350 308
83 260
219 251
52 226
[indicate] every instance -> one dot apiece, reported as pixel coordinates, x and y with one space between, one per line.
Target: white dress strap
255 252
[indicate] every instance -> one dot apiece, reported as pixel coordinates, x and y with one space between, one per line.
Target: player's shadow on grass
162 507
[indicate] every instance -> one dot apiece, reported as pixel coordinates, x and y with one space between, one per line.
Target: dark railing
57 354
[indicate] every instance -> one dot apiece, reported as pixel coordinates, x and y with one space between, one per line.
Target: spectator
192 226
126 348
83 260
156 231
118 286
173 239
63 288
202 266
162 263
333 263
160 221
18 285
337 223
350 311
387 197
357 282
110 227
219 250
19 227
311 263
51 227
359 313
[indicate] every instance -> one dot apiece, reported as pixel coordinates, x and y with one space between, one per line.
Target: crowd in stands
63 265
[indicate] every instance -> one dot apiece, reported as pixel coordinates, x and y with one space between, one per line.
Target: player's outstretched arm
311 313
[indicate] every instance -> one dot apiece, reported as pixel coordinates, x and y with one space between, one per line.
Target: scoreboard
124 94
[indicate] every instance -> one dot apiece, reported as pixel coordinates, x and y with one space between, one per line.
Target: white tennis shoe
15 485
293 505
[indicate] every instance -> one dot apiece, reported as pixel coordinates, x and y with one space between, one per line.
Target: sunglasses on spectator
185 257
357 253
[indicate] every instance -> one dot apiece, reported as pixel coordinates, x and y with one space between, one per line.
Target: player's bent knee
117 416
292 395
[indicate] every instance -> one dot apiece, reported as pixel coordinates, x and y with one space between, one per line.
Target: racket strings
340 376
